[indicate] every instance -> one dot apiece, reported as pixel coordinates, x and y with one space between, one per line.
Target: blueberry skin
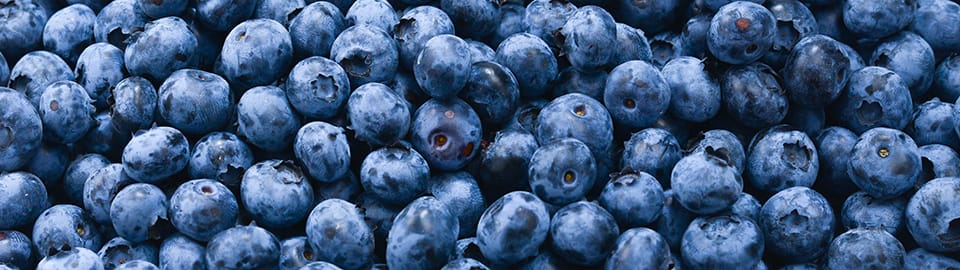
639 248
808 120
423 236
447 133
118 21
583 233
138 212
473 18
877 19
946 83
119 251
723 144
874 97
98 68
137 265
320 266
76 258
511 22
909 56
634 200
276 193
461 194
416 27
160 9
938 161
201 208
367 53
49 164
266 119
406 86
693 37
665 46
282 11
746 206
531 60
576 116
860 210
933 124
797 165
104 138
243 247
256 52
4 69
22 27
833 149
295 253
562 171
221 156
933 20
542 18
338 223
548 260
315 28
100 188
378 115
15 249
794 22
797 225
654 151
695 94
180 252
705 183
66 112
222 15
492 91
505 162
346 188
76 175
816 71
724 242
156 154
63 227
22 199
652 17
68 31
465 264
513 228
921 259
164 46
323 151
753 96
587 37
930 215
571 80
317 88
526 116
631 45
379 218
395 175
480 51
741 32
20 128
636 94
377 13
35 71
865 248
885 163
134 104
443 66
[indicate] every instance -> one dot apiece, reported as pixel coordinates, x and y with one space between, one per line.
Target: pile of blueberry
479 134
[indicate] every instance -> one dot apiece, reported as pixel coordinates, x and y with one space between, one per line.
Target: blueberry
338 223
505 163
155 154
323 151
753 96
571 80
220 156
103 138
295 253
650 16
243 247
885 163
139 212
74 258
119 251
695 94
377 13
797 164
21 200
861 210
314 29
929 216
797 225
741 32
160 9
513 228
320 266
473 18
725 145
808 120
586 38
35 71
15 249
443 66
464 264
631 45
746 206
222 15
406 86
423 235
576 116
562 171
833 146
137 265
921 259
866 248
21 130
511 22
64 227
447 133
202 208
911 57
654 151
938 161
946 83
583 233
22 27
705 183
379 217
636 94
932 22
276 193
118 21
480 51
4 70
461 194
195 101
66 112
526 116
415 28
134 103
395 175
639 248
724 242
367 53
633 199
100 188
377 114
492 91
693 37
69 31
266 119
664 47
317 88
49 164
794 22
180 252
256 52
164 46
544 18
933 124
872 19
282 11
531 60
